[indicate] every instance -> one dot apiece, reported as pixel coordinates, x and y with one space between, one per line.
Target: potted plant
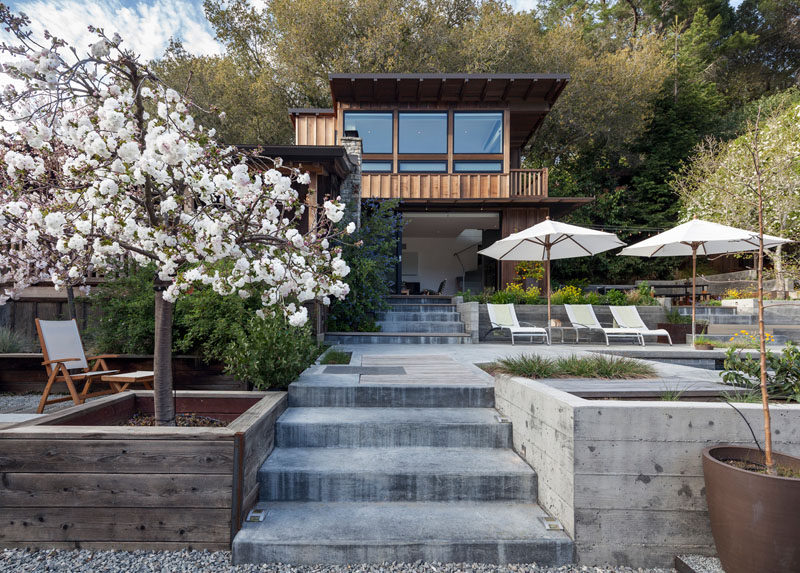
753 495
679 326
703 343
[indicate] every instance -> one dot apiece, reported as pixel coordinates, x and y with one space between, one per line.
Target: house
448 147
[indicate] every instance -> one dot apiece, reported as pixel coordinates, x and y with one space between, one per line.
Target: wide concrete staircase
411 320
396 472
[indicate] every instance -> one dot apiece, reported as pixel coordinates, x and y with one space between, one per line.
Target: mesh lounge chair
628 317
582 317
63 351
502 316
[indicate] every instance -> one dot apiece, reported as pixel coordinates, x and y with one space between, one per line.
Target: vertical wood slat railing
518 183
526 182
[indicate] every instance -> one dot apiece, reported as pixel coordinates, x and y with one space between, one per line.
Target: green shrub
783 371
269 353
11 342
592 366
616 298
370 253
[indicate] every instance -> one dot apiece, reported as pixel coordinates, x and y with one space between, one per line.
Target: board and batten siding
117 487
315 129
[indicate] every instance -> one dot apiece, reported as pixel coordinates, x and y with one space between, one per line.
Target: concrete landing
305 533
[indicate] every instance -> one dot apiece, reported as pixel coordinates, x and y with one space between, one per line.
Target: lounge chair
582 317
628 317
503 317
63 351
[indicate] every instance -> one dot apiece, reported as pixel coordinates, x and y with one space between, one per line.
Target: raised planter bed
22 373
76 478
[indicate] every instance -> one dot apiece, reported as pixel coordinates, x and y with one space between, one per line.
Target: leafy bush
533 270
675 317
371 254
616 298
733 293
10 341
783 371
568 295
268 353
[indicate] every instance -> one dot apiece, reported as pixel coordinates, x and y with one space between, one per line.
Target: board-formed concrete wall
625 477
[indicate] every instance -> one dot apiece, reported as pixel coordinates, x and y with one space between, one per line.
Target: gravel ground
85 561
18 403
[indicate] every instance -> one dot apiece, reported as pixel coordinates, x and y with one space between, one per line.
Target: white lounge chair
63 351
628 317
503 317
582 317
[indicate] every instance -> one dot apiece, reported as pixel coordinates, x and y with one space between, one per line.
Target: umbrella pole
547 284
694 287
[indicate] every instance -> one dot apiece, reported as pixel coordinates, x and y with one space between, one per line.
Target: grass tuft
10 341
334 356
593 366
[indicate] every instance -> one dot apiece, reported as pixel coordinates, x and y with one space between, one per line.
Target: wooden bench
120 382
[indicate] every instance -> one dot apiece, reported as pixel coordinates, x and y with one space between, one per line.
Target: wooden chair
63 351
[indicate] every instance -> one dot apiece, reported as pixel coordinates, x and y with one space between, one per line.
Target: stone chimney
350 189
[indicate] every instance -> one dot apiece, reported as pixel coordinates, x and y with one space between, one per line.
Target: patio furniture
120 382
628 317
582 317
63 355
503 317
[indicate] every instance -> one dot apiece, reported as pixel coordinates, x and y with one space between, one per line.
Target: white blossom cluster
127 172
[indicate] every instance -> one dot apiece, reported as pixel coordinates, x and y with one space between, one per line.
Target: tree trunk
71 303
162 362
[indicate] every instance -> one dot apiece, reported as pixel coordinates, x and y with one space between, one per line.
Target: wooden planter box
22 373
76 478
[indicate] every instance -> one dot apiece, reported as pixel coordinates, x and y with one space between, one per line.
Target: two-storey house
448 147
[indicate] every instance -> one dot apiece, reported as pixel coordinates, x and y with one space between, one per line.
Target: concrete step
392 316
316 395
306 533
422 326
432 299
396 338
391 427
396 474
404 307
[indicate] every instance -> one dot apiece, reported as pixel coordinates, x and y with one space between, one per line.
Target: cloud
145 26
524 5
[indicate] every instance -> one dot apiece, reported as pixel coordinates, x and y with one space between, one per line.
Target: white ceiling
447 224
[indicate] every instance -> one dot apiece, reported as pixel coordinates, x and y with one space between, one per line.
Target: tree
721 183
101 161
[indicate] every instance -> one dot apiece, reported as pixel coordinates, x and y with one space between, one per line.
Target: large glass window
374 129
421 132
477 166
478 132
422 166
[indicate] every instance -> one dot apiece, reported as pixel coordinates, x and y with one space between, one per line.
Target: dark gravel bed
85 561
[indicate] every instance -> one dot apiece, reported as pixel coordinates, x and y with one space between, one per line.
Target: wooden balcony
518 183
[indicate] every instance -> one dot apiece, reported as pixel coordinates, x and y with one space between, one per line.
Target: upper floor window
374 129
422 132
478 132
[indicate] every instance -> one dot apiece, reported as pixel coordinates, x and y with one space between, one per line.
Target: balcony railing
518 183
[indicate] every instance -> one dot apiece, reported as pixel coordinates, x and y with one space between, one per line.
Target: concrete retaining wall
536 314
625 477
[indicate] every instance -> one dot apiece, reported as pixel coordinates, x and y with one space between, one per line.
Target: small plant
782 373
616 298
532 270
671 395
701 339
675 317
568 295
744 339
593 366
10 341
732 293
334 356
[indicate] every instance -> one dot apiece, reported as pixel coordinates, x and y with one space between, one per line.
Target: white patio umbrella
550 240
703 237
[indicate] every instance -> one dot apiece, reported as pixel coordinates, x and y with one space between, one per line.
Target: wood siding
517 219
315 130
521 182
136 487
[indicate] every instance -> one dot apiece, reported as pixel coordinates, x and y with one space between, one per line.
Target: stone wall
469 316
350 188
625 477
536 314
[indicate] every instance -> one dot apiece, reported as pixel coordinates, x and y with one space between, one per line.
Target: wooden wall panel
516 219
315 130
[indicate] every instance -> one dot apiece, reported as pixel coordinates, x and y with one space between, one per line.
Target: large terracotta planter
755 518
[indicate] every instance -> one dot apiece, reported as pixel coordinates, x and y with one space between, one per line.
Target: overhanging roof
528 96
559 206
333 157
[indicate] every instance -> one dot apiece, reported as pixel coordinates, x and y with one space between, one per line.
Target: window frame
457 112
446 115
373 112
423 161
